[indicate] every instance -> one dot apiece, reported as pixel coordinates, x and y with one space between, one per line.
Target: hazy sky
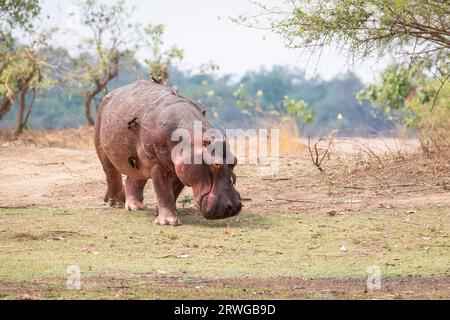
203 29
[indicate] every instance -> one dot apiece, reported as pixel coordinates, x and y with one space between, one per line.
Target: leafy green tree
250 105
22 66
395 87
159 60
420 100
298 110
362 27
416 33
35 76
17 14
26 72
113 42
110 38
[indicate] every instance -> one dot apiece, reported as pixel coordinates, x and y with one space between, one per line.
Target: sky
203 29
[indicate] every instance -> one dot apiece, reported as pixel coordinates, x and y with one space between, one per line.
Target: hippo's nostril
229 207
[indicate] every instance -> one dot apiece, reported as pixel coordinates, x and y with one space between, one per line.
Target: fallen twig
276 179
18 207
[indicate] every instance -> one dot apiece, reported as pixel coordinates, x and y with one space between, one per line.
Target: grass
41 243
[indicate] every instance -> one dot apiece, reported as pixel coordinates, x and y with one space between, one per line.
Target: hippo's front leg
163 185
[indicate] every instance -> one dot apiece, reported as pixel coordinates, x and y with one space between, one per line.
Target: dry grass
384 164
290 139
80 138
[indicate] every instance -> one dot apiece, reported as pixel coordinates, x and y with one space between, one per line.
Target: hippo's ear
202 110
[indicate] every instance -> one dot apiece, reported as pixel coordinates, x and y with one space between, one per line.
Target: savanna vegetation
340 209
415 87
61 89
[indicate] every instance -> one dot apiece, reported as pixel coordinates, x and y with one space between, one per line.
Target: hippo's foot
133 204
166 218
117 201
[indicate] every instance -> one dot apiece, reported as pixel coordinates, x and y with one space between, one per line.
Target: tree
361 26
24 74
17 14
20 64
111 38
421 100
418 30
14 15
297 110
159 61
249 105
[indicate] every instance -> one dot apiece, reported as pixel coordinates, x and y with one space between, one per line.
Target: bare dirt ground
241 288
60 170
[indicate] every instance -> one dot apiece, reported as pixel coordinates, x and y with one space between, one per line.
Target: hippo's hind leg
163 184
134 193
115 194
178 187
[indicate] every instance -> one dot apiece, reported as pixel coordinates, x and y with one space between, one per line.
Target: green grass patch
41 243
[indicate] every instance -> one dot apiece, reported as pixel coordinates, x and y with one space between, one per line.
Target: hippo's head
212 180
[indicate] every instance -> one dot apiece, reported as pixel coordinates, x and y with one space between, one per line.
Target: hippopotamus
134 137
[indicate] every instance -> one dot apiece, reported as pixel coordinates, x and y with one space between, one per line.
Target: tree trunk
87 109
6 103
22 105
100 86
30 108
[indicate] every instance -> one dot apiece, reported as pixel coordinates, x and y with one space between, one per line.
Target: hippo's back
146 101
141 97
137 121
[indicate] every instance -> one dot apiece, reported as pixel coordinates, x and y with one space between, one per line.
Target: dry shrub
433 132
289 142
381 165
290 138
78 138
432 118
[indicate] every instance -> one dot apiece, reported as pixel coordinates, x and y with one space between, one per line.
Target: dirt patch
158 287
33 176
50 176
45 236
